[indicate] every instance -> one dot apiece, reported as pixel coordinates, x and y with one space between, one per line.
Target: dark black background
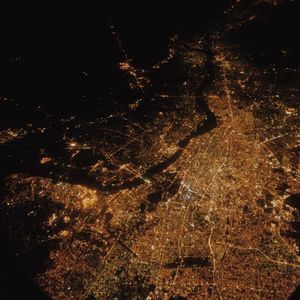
50 46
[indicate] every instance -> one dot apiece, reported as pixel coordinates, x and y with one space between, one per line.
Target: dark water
60 58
